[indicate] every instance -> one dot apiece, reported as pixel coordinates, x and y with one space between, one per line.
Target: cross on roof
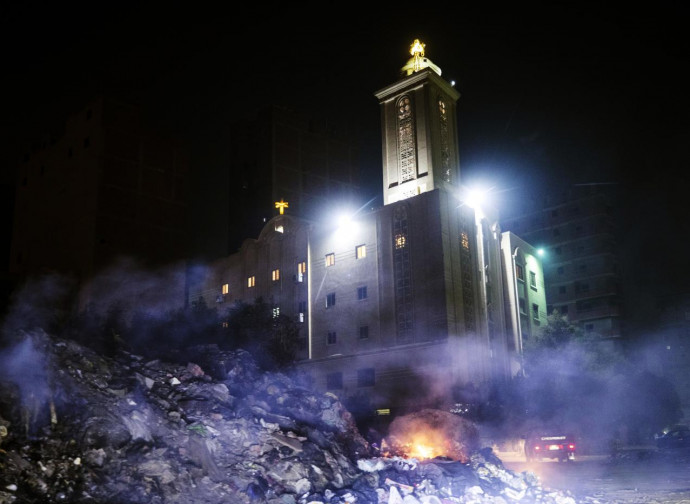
281 205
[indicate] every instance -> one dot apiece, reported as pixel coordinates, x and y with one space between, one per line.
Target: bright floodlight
344 220
345 224
476 197
540 252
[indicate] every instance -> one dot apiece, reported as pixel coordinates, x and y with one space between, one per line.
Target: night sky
557 94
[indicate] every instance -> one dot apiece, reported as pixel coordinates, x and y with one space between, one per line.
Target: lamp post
309 293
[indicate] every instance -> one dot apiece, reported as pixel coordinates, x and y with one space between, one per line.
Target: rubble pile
218 429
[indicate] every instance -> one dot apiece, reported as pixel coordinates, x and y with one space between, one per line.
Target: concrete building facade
526 308
104 188
577 230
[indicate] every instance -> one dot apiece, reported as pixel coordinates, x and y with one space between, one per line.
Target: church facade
401 304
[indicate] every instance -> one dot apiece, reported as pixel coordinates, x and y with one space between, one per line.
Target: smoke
42 302
602 392
130 287
591 388
25 366
95 313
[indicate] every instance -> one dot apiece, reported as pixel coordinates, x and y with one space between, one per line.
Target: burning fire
420 445
426 445
429 434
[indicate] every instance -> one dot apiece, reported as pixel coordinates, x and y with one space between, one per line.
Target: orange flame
424 445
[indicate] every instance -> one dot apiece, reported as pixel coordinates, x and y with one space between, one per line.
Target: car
676 437
550 446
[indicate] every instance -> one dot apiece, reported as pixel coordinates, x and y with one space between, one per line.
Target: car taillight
537 447
571 446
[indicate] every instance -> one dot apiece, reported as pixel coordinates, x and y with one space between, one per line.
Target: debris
223 432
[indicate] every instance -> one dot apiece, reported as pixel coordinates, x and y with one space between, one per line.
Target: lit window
334 381
330 299
332 338
366 377
276 311
519 272
465 240
275 275
302 310
362 292
330 259
226 289
400 241
280 229
251 281
301 270
533 279
361 251
225 324
364 332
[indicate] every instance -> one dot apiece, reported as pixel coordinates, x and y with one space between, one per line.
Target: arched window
407 156
445 145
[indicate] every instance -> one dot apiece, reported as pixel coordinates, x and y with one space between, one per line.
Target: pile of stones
80 427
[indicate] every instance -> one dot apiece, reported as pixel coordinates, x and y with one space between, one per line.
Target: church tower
419 134
406 297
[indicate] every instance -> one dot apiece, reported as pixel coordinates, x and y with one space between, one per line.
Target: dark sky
564 93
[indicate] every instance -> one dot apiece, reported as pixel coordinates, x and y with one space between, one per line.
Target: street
644 476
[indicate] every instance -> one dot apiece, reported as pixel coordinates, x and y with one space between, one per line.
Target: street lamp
310 304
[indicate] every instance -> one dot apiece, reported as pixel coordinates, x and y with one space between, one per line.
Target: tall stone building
578 230
283 154
105 188
401 304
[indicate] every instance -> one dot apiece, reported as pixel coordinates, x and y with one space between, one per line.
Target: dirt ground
644 476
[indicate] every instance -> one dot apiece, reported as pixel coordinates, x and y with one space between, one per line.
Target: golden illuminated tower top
417 50
419 126
418 62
